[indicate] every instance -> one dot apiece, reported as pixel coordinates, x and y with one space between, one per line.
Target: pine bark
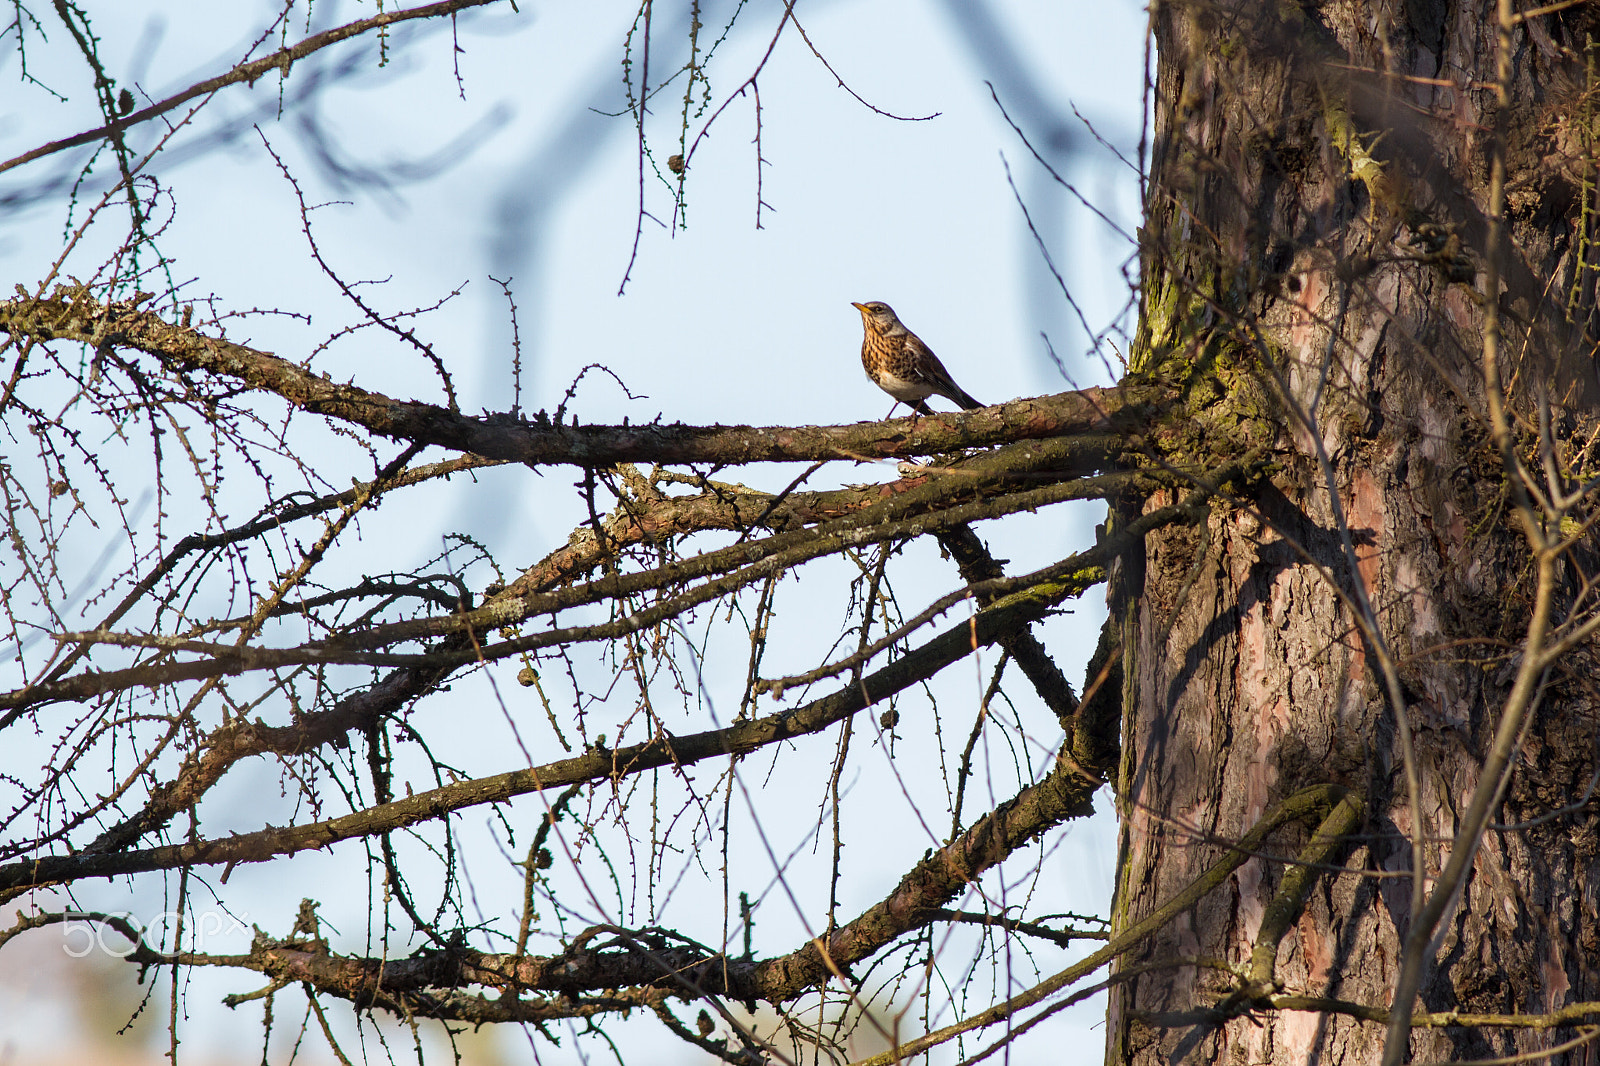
1316 232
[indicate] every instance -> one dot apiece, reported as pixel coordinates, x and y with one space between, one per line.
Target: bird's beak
859 307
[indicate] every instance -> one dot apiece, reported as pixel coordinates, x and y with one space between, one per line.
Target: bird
900 364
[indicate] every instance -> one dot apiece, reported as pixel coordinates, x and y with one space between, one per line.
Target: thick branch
631 966
1308 802
748 562
598 764
241 740
638 521
77 316
976 564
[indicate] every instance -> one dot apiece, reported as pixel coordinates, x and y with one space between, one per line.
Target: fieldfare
901 365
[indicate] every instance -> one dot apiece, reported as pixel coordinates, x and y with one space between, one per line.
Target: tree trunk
1315 264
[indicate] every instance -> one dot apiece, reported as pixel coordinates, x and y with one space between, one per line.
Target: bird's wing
940 379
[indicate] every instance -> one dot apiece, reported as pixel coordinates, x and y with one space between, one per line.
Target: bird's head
879 317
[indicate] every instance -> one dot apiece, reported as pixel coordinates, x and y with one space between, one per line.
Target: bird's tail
964 398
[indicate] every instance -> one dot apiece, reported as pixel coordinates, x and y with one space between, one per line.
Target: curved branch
241 739
740 564
596 764
1307 803
73 314
248 73
645 967
633 966
976 564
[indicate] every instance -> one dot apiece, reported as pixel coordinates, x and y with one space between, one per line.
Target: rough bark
1331 282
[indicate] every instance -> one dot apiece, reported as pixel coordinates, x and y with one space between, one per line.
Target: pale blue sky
719 323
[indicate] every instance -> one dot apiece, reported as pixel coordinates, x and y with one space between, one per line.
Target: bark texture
1314 267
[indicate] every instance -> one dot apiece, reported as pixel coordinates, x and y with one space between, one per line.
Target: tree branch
597 764
248 73
74 314
629 976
